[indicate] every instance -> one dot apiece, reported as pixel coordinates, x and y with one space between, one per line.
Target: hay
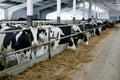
117 25
60 65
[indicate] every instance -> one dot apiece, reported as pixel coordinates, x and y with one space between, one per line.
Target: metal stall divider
49 47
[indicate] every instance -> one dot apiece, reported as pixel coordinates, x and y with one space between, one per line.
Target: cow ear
26 32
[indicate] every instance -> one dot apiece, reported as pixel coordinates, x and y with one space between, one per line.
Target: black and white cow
81 37
58 32
18 40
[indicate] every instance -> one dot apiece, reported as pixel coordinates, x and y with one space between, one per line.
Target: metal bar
49 52
3 32
23 66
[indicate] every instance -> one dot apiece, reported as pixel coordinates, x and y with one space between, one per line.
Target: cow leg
100 30
35 52
6 60
18 58
85 40
56 44
28 55
72 44
79 41
86 43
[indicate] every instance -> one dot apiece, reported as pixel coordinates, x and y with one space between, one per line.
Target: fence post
49 51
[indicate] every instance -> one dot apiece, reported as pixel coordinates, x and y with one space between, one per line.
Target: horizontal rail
39 22
23 66
25 21
2 32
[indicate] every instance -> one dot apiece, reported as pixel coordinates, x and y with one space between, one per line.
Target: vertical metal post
84 9
49 51
98 13
90 9
29 12
74 10
58 11
95 11
58 20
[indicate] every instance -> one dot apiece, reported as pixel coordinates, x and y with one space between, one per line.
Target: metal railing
39 23
46 43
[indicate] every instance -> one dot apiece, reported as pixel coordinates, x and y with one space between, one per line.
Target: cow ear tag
41 32
26 33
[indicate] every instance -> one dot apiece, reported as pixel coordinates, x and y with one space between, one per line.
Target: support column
58 11
84 9
29 12
74 10
6 14
90 9
98 13
95 11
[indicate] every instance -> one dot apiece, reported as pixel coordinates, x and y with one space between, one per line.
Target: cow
58 32
79 37
14 41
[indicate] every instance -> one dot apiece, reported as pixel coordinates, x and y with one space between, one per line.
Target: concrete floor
106 62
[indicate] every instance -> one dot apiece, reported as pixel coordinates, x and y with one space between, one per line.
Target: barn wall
36 15
19 13
114 15
43 13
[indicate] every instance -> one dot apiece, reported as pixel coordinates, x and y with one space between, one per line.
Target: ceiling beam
17 7
1 1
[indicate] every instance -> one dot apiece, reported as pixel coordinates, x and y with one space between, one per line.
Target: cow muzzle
35 43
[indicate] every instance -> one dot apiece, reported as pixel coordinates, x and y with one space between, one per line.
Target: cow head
80 37
43 34
33 35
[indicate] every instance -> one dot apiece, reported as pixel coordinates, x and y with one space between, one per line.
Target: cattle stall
21 67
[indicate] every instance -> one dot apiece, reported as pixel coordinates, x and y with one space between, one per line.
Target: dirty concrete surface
106 62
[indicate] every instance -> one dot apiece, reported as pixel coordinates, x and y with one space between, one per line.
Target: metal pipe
74 10
49 51
90 9
3 32
58 11
84 9
29 12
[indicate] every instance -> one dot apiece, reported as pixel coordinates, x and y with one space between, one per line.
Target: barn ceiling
109 4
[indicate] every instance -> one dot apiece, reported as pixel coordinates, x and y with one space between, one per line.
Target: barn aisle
106 62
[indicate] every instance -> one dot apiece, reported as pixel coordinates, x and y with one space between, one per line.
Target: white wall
19 13
2 14
67 14
114 14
